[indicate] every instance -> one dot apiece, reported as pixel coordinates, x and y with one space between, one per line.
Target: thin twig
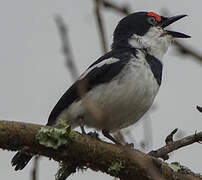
172 146
35 168
100 25
62 28
169 138
123 10
199 108
186 50
147 132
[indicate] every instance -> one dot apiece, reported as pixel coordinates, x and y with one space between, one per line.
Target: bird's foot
82 129
94 134
109 136
81 125
130 145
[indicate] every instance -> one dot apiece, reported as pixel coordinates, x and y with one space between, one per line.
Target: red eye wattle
156 16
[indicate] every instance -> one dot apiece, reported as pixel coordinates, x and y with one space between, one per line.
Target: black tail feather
20 160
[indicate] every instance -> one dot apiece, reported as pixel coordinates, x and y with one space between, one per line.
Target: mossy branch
85 151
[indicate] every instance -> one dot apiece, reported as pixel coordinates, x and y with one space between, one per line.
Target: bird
123 83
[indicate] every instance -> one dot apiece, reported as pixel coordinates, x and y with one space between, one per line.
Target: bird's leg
81 124
94 135
82 129
106 134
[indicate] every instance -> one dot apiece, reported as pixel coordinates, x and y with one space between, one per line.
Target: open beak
167 21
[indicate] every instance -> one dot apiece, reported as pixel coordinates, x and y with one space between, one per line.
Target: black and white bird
122 83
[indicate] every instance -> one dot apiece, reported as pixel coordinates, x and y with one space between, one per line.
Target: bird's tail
20 160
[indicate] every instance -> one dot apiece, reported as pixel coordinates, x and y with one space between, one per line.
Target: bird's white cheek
167 42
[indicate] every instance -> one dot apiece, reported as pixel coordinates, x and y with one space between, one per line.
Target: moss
73 135
177 167
64 171
62 124
115 168
56 137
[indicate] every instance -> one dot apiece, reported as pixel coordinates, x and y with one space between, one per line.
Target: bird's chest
139 83
137 86
129 95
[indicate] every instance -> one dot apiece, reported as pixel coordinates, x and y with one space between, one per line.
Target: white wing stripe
100 64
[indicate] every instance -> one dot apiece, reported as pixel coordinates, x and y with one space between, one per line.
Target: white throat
155 42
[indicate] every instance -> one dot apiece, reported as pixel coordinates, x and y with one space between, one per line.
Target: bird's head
146 30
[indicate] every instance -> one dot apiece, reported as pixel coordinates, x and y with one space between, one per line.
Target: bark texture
84 151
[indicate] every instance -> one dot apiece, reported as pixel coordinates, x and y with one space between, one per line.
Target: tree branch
62 28
199 108
187 50
85 151
174 145
121 9
100 25
34 172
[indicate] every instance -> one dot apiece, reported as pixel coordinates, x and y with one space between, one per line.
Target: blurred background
34 75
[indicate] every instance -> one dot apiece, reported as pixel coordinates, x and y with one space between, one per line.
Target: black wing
95 75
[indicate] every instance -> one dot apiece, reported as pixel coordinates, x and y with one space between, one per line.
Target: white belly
123 101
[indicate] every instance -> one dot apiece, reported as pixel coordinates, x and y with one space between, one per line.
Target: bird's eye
152 21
